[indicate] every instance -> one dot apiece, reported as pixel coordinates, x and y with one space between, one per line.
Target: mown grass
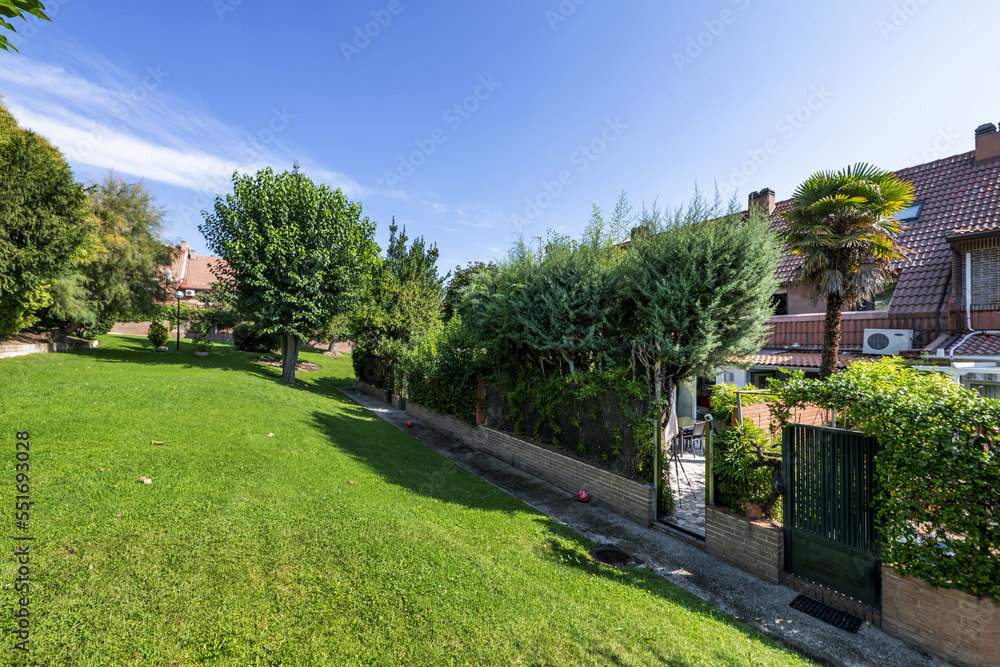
338 540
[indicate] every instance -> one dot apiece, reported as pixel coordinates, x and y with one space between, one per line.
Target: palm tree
842 222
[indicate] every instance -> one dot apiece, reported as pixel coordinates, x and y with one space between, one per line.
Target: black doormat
825 613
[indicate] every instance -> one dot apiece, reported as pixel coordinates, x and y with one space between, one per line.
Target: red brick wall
365 388
137 328
625 496
754 546
807 330
950 624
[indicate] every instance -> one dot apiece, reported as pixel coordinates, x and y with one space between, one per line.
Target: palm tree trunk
831 335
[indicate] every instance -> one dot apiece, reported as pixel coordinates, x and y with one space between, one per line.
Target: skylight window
910 214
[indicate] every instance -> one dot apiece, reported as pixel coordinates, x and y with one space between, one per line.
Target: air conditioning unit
189 292
888 341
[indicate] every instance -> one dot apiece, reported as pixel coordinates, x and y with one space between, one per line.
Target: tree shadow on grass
403 461
646 580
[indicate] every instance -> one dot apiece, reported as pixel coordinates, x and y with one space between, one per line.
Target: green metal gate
829 516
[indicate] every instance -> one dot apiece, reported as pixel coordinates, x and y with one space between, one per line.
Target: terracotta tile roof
958 198
800 359
191 270
978 345
199 274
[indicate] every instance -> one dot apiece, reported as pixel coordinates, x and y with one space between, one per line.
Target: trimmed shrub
158 334
248 337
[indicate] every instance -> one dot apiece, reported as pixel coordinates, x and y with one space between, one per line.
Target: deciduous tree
294 253
42 222
120 274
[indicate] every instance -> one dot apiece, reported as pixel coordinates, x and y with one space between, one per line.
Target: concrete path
752 600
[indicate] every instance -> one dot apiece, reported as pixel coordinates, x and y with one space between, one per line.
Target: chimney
987 143
763 199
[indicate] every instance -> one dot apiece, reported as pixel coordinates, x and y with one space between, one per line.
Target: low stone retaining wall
371 390
754 546
950 624
628 497
8 350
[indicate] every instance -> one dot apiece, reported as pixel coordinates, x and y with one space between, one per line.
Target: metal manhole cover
612 555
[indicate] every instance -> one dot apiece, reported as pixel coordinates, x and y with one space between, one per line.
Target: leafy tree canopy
119 274
42 222
294 253
461 278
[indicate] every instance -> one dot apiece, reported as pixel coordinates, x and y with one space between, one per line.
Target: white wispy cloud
104 117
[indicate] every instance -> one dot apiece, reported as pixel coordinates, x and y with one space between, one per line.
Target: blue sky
470 122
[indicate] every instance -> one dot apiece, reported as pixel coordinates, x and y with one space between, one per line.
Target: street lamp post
178 295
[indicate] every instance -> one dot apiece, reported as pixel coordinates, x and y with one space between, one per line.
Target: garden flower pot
753 511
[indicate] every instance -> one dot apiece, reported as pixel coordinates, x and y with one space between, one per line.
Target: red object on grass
409 424
583 496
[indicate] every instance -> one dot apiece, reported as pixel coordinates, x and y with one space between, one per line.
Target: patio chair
684 425
696 438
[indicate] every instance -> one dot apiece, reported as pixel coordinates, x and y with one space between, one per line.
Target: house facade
945 302
191 273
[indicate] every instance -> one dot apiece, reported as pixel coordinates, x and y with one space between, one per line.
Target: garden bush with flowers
938 468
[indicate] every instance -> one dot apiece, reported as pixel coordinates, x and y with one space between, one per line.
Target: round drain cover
612 555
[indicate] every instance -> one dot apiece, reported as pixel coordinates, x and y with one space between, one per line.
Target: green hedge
442 372
938 470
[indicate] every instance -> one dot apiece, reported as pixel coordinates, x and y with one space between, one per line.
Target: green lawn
338 540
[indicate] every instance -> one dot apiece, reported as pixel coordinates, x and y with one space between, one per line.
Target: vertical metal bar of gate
829 522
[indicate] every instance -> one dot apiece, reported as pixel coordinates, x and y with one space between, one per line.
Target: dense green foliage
460 279
10 9
398 303
843 223
938 469
443 369
42 222
294 252
158 334
692 289
120 276
699 287
740 477
249 337
314 535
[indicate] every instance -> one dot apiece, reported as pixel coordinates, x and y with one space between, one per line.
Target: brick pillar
480 401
